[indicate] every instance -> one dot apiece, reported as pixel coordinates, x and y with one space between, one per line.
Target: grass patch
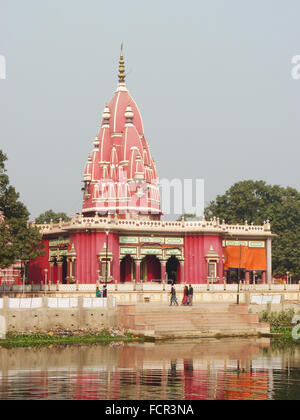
51 339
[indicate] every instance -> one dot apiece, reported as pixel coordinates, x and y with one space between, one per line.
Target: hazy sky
212 80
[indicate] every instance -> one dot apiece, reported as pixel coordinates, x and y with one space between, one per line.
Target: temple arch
64 270
150 268
173 270
127 269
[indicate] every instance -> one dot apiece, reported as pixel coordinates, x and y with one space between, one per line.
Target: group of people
102 293
187 299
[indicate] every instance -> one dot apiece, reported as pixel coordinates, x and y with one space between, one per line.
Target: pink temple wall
216 242
195 250
37 266
87 246
193 259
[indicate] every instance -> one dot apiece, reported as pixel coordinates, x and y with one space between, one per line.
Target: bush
277 320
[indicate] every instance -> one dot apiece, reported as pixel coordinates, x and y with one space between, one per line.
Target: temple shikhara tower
120 176
120 235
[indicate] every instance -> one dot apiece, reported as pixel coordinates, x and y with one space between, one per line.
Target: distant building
121 235
12 274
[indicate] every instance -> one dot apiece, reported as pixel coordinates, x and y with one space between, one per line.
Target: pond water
227 369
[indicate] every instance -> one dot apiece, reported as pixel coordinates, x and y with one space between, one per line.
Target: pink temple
121 236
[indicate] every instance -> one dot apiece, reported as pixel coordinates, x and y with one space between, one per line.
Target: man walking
191 294
173 296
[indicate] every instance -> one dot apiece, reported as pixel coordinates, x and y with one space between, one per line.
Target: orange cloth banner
247 258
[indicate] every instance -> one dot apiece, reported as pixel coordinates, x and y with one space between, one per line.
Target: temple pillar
59 271
181 271
71 259
269 260
221 271
138 271
247 277
163 264
71 268
72 275
51 272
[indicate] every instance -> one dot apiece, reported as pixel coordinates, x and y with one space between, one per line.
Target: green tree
18 238
187 216
256 201
51 215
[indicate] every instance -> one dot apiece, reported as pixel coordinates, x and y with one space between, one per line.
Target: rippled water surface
204 369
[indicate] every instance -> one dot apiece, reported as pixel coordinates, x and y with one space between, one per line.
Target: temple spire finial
122 68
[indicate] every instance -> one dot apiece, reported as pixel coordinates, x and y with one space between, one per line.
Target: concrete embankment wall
44 314
72 309
260 294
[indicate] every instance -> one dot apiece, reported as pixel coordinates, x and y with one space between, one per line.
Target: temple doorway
64 270
127 269
150 269
172 270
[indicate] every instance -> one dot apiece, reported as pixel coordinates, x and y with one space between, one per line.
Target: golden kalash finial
121 67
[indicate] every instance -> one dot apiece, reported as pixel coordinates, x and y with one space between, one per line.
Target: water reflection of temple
205 370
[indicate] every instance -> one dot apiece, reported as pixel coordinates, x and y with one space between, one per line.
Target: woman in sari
185 299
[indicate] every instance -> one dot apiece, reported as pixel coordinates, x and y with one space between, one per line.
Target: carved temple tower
120 177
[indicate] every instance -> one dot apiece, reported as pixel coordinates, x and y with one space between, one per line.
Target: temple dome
117 106
120 176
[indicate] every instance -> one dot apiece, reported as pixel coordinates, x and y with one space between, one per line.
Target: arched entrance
127 269
64 270
173 270
150 268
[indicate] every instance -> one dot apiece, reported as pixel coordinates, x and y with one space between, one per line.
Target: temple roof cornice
212 227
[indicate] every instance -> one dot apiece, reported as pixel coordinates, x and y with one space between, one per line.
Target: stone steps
196 319
159 309
204 321
195 322
193 316
194 326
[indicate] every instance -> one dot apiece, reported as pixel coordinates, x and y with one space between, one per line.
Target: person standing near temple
104 292
173 296
191 295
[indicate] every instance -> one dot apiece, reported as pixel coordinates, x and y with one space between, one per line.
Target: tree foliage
256 201
50 215
187 217
18 239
